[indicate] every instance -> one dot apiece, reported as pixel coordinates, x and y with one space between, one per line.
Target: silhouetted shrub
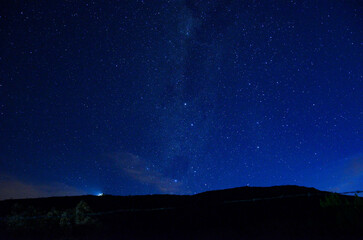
24 219
333 200
51 220
27 219
82 216
66 220
343 214
358 202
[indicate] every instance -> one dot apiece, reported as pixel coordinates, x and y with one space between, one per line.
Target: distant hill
281 212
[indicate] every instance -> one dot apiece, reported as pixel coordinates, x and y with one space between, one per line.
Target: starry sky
179 97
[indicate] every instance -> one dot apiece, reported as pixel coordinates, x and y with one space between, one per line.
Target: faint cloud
136 168
355 166
353 175
11 187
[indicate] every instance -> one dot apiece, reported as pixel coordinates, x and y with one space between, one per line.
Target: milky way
141 97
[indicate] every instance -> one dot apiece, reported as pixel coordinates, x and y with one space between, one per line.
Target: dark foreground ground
282 212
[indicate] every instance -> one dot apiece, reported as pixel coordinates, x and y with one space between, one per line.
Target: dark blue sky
140 97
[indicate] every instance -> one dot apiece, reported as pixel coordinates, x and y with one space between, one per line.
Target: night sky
145 97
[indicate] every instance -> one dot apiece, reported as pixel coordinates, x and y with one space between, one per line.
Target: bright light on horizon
99 194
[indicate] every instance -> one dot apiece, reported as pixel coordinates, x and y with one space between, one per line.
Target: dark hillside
248 212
